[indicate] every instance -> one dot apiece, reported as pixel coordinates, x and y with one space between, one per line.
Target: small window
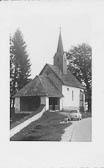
58 59
72 95
67 89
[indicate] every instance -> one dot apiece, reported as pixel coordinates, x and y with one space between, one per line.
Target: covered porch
30 103
40 91
27 104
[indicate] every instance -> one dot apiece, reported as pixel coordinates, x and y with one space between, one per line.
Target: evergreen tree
19 63
11 72
80 65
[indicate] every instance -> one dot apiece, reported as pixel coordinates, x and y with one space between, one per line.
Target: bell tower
60 56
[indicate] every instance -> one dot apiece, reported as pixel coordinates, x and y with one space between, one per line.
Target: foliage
19 64
79 63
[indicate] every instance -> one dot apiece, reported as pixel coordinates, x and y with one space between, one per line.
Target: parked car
75 114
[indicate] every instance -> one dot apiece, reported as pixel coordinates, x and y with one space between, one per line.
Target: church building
54 87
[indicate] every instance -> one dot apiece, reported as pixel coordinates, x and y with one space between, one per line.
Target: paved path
79 131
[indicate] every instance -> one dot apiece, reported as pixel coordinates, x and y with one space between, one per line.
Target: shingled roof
39 86
67 79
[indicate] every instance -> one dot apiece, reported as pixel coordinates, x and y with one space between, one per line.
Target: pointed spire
60 44
60 57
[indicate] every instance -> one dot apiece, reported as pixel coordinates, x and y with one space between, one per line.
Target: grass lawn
15 119
47 128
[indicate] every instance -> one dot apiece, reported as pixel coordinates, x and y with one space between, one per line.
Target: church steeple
60 44
60 57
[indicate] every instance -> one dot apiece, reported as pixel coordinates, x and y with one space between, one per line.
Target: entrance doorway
54 103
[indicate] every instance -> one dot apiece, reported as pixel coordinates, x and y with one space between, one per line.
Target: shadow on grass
47 128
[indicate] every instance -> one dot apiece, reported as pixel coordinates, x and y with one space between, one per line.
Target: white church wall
61 103
71 99
45 101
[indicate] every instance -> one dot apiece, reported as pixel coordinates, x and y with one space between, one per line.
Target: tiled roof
39 86
70 80
67 79
49 86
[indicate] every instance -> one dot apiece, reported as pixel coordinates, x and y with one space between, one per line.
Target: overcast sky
40 27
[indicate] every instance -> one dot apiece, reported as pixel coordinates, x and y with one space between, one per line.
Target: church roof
67 79
39 86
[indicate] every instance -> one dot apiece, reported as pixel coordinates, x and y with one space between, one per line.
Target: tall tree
19 63
79 58
11 72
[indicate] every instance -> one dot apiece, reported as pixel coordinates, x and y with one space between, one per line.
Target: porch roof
39 86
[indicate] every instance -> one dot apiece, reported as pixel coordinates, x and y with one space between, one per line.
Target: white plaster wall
17 105
68 103
61 103
45 100
47 103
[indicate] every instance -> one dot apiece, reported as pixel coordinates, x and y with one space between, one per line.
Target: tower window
58 59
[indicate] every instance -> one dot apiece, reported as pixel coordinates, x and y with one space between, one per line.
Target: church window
67 89
72 95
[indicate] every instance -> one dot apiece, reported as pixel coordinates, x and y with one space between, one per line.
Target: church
55 87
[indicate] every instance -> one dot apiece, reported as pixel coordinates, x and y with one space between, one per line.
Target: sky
40 28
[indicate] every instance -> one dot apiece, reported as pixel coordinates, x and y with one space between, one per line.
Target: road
79 131
82 131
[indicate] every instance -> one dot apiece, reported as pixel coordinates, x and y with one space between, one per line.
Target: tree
11 72
79 58
19 64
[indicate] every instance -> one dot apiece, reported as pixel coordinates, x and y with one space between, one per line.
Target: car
75 114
